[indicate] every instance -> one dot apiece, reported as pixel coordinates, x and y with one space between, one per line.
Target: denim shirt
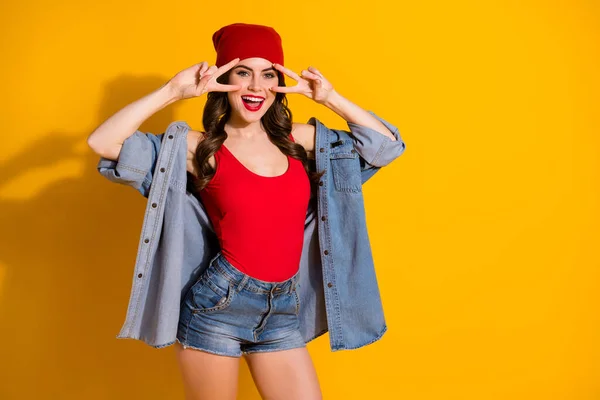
337 287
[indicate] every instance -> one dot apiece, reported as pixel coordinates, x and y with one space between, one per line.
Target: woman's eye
268 75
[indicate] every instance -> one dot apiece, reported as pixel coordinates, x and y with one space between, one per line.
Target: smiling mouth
253 103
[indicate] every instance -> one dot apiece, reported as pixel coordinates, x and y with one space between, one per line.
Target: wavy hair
277 122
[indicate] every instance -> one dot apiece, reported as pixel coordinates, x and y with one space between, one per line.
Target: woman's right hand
199 79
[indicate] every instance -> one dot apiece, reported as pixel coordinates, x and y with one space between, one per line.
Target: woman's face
255 76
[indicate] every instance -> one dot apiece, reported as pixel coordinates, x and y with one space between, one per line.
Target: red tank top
259 220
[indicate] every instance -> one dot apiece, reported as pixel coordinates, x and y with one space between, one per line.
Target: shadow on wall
68 255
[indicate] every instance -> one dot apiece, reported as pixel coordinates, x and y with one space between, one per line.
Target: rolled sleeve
375 148
136 163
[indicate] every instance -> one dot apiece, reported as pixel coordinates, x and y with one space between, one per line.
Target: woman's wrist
172 93
333 100
338 104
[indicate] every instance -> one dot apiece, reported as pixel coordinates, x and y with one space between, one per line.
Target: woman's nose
254 83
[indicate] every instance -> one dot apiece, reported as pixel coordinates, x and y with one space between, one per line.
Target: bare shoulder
305 134
193 138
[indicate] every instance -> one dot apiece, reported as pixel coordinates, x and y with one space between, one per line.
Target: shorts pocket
211 293
297 298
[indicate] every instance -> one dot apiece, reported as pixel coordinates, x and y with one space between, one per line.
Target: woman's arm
314 85
107 139
194 81
355 114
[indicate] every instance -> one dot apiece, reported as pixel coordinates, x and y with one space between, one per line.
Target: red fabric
246 41
259 220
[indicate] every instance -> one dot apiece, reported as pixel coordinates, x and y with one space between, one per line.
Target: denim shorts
229 313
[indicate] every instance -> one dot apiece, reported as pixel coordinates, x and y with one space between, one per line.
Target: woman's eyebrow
250 69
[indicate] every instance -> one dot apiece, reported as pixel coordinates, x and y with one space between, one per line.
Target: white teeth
250 98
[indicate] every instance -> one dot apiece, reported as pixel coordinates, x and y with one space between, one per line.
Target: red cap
245 41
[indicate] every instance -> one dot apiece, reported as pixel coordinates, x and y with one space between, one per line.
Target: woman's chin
252 117
249 116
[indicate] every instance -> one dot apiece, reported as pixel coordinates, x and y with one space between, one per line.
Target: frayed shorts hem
272 350
237 355
219 353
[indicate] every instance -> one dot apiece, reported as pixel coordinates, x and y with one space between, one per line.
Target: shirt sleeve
136 163
375 148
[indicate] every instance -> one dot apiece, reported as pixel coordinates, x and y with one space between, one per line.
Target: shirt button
329 284
146 240
139 275
322 150
352 151
162 169
320 183
154 205
323 218
326 252
170 136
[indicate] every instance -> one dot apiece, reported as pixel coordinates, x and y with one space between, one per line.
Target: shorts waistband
245 281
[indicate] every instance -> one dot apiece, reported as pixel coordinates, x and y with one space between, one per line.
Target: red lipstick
253 106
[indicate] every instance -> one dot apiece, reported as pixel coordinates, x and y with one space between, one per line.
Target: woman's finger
310 75
315 71
226 67
284 89
288 72
228 88
202 71
203 67
210 71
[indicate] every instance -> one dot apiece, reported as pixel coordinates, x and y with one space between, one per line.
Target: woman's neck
240 128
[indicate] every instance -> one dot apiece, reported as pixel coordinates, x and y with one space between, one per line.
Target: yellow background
485 231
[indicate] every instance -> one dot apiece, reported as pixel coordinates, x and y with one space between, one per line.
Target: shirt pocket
345 166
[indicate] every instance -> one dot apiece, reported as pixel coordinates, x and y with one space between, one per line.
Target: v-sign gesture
311 83
199 79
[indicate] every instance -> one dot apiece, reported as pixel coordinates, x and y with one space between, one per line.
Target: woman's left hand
311 83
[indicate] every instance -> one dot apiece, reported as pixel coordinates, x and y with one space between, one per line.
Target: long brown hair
277 122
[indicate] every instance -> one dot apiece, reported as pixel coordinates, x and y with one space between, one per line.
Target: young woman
251 168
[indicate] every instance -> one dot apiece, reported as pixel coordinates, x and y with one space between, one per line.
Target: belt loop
293 285
242 283
214 257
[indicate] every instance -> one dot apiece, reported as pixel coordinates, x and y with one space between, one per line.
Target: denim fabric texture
337 285
227 312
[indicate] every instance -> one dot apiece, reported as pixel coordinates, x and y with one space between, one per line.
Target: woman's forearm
127 120
355 114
